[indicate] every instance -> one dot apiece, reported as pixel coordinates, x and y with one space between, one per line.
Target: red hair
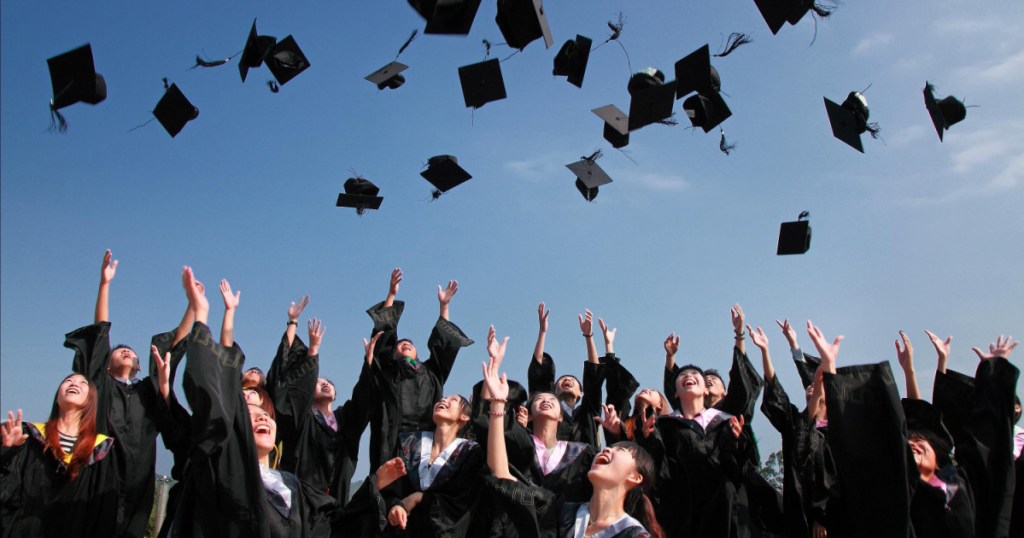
86 441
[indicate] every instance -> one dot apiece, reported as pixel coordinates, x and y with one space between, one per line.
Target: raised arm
294 311
829 352
609 337
587 327
227 327
905 356
497 386
163 368
761 341
669 376
941 349
396 279
738 319
107 272
444 296
542 322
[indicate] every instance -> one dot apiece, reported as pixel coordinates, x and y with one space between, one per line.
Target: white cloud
660 182
543 166
1010 69
871 42
967 26
907 135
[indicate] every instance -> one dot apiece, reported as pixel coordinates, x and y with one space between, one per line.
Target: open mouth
440 406
73 390
604 458
262 429
690 382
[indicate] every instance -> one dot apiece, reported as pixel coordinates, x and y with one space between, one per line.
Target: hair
248 384
940 447
693 367
1016 414
635 420
580 385
86 441
638 503
265 401
533 398
466 408
136 367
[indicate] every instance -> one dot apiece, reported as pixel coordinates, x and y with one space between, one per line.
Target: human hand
444 296
368 345
649 423
109 268
389 471
789 332
738 318
11 431
523 416
496 385
941 346
396 279
609 334
495 350
195 292
611 420
230 300
587 323
828 352
1002 348
296 308
736 426
411 501
817 531
672 344
905 356
163 368
316 331
398 517
542 317
759 338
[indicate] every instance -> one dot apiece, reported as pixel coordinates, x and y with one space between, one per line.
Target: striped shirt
67 443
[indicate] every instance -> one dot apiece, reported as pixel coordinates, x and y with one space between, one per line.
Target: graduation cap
706 112
286 60
453 17
774 12
945 112
694 73
361 194
482 83
444 173
174 110
616 125
257 47
795 237
589 175
924 420
522 21
651 98
74 79
571 60
389 76
850 120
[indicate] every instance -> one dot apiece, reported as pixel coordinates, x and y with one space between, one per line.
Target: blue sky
913 234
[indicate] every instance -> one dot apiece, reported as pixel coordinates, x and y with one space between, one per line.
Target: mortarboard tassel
735 41
724 144
200 62
487 49
407 42
823 11
57 122
593 156
670 121
274 88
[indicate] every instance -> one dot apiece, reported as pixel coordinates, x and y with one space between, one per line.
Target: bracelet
740 335
585 335
292 322
497 413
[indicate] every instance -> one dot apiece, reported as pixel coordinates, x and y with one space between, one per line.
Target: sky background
913 234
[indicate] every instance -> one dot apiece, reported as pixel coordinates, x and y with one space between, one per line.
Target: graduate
132 410
407 388
59 478
620 478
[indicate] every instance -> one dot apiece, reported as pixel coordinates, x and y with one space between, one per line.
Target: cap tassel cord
735 41
724 144
57 122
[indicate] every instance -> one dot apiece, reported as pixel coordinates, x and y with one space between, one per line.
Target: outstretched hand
496 350
12 433
230 299
196 294
542 317
738 318
1003 347
611 420
829 352
316 330
296 308
109 268
587 323
163 368
672 344
736 425
444 296
759 338
609 334
905 355
396 279
497 385
369 345
941 346
789 332
389 471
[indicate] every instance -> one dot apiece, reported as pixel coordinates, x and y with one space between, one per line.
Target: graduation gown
312 450
406 391
578 425
223 493
449 499
37 497
134 414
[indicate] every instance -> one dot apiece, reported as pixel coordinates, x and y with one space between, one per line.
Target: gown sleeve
620 384
590 406
540 377
669 385
446 339
385 319
212 390
91 345
744 387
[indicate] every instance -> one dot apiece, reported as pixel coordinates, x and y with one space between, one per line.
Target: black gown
37 498
320 456
134 414
406 392
579 424
223 493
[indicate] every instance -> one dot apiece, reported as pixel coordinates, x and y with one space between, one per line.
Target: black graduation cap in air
454 17
589 175
361 194
571 60
286 60
174 110
778 12
795 237
651 98
444 173
706 112
482 83
74 79
523 21
257 48
694 73
389 76
850 120
616 125
945 112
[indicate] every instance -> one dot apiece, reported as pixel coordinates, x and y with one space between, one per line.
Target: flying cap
361 194
706 112
651 98
850 120
286 60
795 237
616 125
694 73
523 21
74 78
257 47
453 17
774 13
589 175
388 76
174 110
444 173
571 60
482 83
945 112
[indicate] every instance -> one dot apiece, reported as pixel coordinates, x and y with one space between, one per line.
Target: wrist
590 335
292 322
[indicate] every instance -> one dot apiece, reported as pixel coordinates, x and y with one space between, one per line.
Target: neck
122 373
265 460
69 422
607 505
568 398
926 475
444 435
691 406
715 399
324 405
546 430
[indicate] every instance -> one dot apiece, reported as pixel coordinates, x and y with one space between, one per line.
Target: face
405 349
324 390
123 359
73 392
567 386
252 397
715 387
545 405
924 455
449 409
613 466
264 430
252 378
690 382
649 397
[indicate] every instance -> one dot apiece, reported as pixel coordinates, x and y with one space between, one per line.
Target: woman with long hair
55 477
620 475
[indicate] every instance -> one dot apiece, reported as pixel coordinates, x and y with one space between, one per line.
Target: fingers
906 341
978 352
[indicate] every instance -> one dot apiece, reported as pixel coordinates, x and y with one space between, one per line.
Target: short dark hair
693 367
573 377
